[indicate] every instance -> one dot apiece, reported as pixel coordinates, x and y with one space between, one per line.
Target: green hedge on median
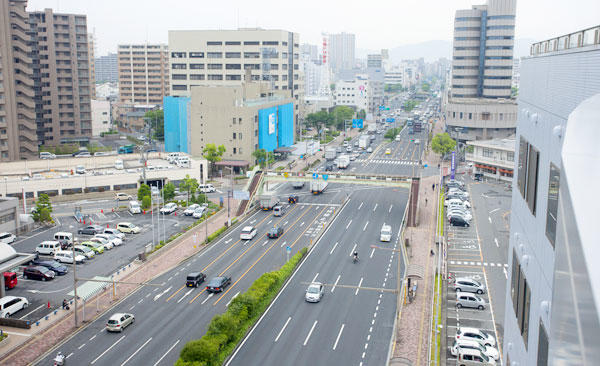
225 331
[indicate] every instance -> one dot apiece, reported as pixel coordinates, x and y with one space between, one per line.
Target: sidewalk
37 342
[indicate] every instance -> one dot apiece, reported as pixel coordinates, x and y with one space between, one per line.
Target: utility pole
74 282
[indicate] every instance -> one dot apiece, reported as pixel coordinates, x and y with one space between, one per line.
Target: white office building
101 121
553 289
354 93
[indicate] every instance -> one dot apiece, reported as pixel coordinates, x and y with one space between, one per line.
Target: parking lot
52 292
478 252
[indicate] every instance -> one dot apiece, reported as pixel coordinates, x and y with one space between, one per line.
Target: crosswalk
470 263
388 161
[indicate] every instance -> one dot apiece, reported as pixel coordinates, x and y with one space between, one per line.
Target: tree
143 191
213 154
340 114
168 191
425 87
409 105
190 185
442 144
42 210
319 118
146 202
157 123
263 157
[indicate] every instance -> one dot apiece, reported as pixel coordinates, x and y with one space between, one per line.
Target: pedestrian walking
433 187
425 202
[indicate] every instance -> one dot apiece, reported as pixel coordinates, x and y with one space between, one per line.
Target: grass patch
226 330
437 314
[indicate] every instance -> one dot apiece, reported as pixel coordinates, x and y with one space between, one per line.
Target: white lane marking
162 293
315 277
169 279
95 335
285 223
390 210
282 329
253 221
270 221
494 210
139 302
360 205
265 243
490 219
310 332
69 355
372 252
132 306
375 208
336 282
357 288
149 293
349 222
282 244
228 240
32 311
496 241
352 251
338 336
301 224
183 297
234 296
207 297
365 228
80 347
136 351
169 350
505 274
332 249
108 349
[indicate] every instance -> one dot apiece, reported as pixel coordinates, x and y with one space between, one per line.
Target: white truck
372 128
268 201
363 141
317 186
343 162
330 153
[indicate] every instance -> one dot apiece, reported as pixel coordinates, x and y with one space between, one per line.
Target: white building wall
101 121
352 93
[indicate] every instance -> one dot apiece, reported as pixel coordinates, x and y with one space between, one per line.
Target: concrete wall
9 218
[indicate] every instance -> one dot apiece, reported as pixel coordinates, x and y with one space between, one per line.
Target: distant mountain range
433 50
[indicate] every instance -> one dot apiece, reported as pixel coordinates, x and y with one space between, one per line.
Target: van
172 157
183 162
7 238
11 304
386 233
119 164
473 357
66 256
64 237
48 247
206 188
10 280
134 207
467 300
278 210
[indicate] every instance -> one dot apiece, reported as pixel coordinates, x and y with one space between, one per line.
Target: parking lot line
33 311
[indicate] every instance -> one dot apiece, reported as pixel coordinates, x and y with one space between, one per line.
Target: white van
278 210
172 157
473 357
64 237
386 233
206 188
119 164
48 247
66 256
11 304
134 207
183 162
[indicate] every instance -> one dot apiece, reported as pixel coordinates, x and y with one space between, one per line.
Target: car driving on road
275 232
217 284
314 292
119 321
194 279
248 233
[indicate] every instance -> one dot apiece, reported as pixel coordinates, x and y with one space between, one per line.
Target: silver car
466 284
314 292
466 300
117 322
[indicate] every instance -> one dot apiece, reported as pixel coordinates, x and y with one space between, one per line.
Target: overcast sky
376 23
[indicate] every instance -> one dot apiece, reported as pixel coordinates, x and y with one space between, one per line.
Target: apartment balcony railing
583 38
490 161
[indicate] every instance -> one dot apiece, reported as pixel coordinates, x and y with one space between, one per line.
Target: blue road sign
390 119
288 249
325 176
315 175
381 107
357 123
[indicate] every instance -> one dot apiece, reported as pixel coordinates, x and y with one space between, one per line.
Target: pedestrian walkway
388 161
34 342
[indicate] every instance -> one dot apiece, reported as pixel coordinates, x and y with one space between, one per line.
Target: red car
10 280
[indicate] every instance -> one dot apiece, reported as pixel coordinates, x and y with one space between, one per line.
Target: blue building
177 115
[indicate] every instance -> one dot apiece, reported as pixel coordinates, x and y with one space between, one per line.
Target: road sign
390 119
381 107
288 249
315 175
357 123
325 176
285 174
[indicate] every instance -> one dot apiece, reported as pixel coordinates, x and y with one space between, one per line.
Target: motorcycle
59 360
355 259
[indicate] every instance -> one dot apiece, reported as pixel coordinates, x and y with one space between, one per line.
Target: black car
91 230
293 198
298 185
275 232
59 269
194 279
329 167
38 273
458 221
217 284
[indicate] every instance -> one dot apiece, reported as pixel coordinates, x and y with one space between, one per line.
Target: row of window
230 66
485 116
489 27
491 17
521 297
246 43
272 54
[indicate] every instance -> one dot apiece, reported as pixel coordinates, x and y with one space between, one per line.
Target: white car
115 232
314 292
66 256
198 212
190 210
456 201
80 169
7 238
169 208
11 304
123 196
474 334
105 243
85 251
248 233
468 344
111 238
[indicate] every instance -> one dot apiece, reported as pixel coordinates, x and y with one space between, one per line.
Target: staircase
251 190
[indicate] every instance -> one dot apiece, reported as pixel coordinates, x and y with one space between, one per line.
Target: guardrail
582 38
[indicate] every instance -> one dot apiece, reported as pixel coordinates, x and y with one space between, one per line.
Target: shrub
146 201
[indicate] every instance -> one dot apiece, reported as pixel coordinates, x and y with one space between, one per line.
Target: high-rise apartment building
341 49
18 138
62 77
143 73
107 68
553 288
482 72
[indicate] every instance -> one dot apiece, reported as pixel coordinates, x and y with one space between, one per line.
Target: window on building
485 116
215 77
488 153
461 115
552 209
179 87
214 43
252 66
470 115
233 43
178 66
214 54
234 135
233 54
532 177
239 150
453 114
197 66
542 354
251 43
251 55
196 77
240 135
214 66
233 66
178 54
510 156
270 43
179 77
233 77
234 150
522 167
521 297
196 55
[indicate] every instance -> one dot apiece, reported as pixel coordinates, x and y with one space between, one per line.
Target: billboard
267 126
272 123
285 124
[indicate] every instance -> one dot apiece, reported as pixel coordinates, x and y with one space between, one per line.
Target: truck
330 153
372 128
317 186
343 162
127 149
268 201
418 126
363 141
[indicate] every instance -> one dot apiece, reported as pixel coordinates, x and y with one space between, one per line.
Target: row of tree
334 119
188 185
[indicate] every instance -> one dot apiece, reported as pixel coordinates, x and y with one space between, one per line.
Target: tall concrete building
479 102
107 68
553 290
143 73
18 138
92 63
341 49
61 77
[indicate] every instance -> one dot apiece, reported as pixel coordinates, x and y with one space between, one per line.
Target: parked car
462 213
79 169
82 154
47 155
85 251
66 256
38 273
127 227
466 300
473 357
48 247
105 243
123 197
314 292
459 221
194 279
329 166
59 269
189 211
275 232
482 337
248 233
115 232
10 280
169 208
468 285
119 321
91 230
11 304
217 284
457 201
199 212
458 191
96 247
111 238
7 238
469 344
207 188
